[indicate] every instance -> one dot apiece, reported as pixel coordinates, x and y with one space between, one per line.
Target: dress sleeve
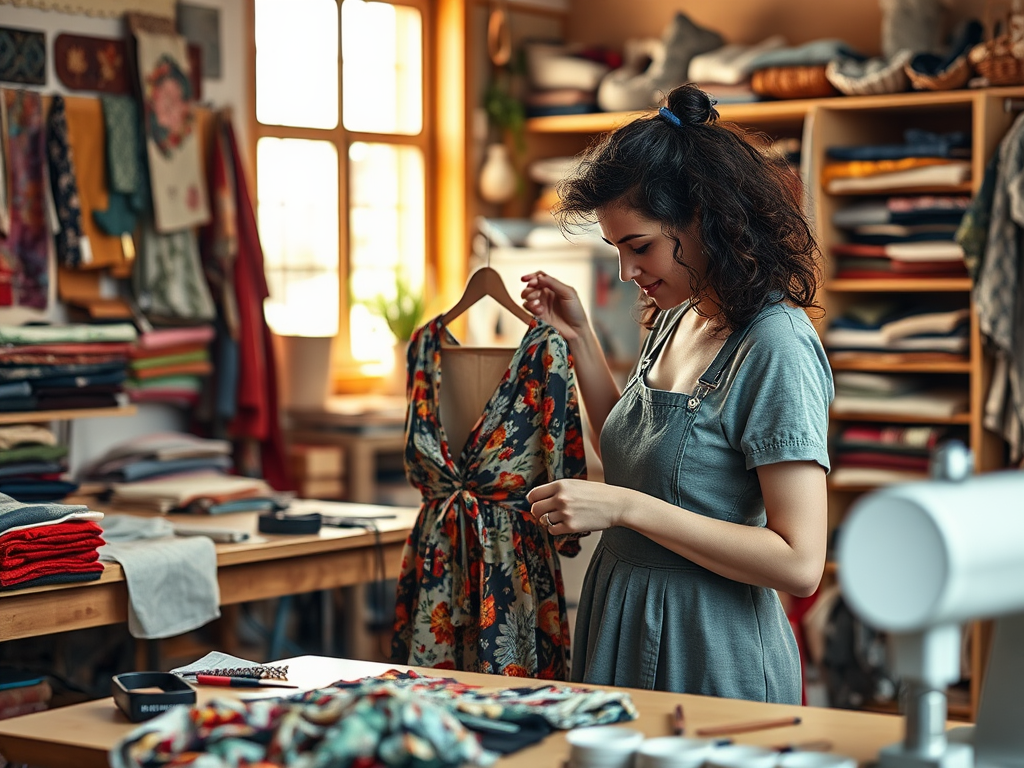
780 394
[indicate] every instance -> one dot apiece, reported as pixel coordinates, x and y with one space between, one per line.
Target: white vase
498 178
396 381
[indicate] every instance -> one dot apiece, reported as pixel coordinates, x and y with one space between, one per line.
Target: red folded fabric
77 527
88 563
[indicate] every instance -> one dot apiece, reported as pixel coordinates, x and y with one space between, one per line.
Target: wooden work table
265 566
80 736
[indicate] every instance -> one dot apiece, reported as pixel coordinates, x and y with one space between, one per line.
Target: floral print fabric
481 587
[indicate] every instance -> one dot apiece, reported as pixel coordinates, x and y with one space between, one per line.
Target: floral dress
481 587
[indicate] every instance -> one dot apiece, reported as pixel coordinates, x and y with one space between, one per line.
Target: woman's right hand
555 303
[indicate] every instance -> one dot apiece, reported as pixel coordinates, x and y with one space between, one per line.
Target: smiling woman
340 164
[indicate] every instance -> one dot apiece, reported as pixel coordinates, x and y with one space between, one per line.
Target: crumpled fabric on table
388 726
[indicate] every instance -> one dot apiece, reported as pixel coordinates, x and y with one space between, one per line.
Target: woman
715 451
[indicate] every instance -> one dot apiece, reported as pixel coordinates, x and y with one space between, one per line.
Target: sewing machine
918 560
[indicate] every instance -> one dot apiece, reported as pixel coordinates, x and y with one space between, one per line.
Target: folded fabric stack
725 72
897 394
921 332
176 471
168 365
43 543
901 236
32 464
54 367
924 159
879 454
22 693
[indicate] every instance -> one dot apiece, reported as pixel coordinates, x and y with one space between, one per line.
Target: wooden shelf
900 284
776 112
33 417
966 188
895 418
878 363
897 363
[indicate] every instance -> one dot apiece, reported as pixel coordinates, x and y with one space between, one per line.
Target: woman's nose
628 269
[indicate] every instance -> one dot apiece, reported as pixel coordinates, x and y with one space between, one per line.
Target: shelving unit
853 121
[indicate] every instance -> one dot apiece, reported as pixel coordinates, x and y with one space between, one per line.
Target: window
341 164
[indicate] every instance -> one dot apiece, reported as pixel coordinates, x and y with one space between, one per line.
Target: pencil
678 721
754 725
821 745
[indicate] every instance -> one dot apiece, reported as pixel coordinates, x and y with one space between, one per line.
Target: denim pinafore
648 617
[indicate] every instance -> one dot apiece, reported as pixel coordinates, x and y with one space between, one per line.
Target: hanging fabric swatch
126 166
91 63
168 277
22 56
64 186
24 251
175 164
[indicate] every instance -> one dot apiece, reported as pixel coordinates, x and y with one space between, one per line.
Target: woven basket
1000 58
952 77
792 82
888 76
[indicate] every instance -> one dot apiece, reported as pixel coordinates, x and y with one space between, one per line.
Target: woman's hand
555 303
577 506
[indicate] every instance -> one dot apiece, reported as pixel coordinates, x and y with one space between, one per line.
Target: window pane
297 205
387 235
297 63
382 55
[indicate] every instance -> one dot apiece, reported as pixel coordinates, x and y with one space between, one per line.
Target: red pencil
678 721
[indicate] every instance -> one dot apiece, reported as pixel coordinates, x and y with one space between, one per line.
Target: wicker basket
792 82
1000 58
952 77
871 78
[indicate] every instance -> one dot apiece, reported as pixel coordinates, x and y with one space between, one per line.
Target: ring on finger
546 520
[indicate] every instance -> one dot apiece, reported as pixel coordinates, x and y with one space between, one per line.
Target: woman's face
646 255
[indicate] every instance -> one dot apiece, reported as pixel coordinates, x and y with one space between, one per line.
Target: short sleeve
780 393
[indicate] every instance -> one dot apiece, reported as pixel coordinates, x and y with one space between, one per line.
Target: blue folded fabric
140 470
27 468
812 53
14 513
29 491
15 389
917 143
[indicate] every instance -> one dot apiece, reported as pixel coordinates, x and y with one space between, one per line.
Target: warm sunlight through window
341 202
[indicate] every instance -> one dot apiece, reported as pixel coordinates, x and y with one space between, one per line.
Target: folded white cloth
730 64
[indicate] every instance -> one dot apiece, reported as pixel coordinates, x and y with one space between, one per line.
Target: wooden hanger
486 282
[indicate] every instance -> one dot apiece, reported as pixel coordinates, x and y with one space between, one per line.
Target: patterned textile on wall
22 56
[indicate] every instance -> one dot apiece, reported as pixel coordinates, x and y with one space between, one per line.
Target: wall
858 22
90 437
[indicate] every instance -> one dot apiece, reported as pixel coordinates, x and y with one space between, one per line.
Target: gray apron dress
648 617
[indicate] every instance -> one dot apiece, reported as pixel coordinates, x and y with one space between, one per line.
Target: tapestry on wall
175 162
86 63
100 7
24 251
22 56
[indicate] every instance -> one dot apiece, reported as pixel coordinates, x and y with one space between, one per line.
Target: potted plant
403 312
499 177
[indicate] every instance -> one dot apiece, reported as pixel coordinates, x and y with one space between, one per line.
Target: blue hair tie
669 115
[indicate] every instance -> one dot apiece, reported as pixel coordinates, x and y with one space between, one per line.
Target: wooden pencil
754 725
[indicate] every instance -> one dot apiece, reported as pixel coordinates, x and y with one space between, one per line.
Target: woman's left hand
577 506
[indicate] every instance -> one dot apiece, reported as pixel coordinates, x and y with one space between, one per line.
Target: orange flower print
524 578
574 444
549 620
548 410
510 481
548 361
515 670
441 624
506 453
487 612
531 391
497 439
547 442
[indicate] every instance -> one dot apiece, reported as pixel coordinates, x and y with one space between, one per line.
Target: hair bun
692 105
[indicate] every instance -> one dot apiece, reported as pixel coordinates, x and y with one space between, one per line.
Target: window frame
347 373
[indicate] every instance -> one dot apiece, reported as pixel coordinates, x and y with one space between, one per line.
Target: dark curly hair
685 169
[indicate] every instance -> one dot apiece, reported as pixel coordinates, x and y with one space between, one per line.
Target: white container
815 760
603 746
742 756
673 752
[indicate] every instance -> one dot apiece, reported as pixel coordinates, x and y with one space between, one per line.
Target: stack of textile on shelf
45 543
23 692
879 454
924 159
55 367
172 471
899 394
920 332
168 365
32 464
725 72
